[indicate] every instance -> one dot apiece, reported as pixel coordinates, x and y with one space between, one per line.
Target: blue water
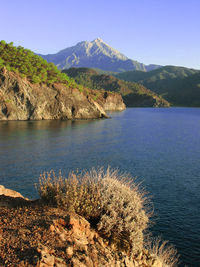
159 146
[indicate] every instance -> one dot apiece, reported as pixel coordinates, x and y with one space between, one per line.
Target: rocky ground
32 234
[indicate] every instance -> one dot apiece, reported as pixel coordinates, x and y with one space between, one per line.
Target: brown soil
33 234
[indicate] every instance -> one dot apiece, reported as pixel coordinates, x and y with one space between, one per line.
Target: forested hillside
27 64
134 94
179 85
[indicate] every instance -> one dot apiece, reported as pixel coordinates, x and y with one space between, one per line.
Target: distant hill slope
133 94
179 85
95 54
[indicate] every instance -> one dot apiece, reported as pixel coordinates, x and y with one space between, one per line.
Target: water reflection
9 128
160 146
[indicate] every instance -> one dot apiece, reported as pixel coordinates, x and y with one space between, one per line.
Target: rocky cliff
22 100
110 101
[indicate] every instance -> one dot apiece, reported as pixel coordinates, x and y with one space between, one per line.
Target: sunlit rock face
21 100
95 54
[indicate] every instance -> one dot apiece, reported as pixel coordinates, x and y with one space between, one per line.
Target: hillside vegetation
33 67
134 94
180 86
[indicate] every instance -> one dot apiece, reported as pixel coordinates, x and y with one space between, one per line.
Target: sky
164 32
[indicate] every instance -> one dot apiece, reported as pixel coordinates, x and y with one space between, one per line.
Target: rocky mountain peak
97 48
98 39
94 54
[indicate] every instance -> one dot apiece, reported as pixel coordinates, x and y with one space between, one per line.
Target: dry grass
112 199
164 252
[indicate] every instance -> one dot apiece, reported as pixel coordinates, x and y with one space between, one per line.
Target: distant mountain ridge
95 54
178 85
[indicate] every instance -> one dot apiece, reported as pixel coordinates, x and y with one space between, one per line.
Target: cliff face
110 101
113 101
21 100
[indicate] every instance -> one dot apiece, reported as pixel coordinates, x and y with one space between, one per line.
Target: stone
59 262
52 228
88 262
47 260
77 263
9 192
63 236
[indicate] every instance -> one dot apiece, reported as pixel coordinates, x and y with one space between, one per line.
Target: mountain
95 54
134 94
32 89
179 85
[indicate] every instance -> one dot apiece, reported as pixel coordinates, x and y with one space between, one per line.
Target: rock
59 262
52 228
10 198
9 192
78 225
21 100
47 260
111 101
77 263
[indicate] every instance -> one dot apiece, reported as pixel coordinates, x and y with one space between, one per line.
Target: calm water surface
159 146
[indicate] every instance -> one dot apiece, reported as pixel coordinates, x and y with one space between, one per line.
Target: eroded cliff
22 100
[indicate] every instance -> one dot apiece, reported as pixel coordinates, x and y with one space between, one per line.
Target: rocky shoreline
22 100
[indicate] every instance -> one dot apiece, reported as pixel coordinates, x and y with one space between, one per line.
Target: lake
161 147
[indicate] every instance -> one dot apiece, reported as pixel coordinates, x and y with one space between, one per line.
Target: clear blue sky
165 32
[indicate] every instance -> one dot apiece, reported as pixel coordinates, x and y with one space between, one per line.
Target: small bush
124 215
112 200
79 192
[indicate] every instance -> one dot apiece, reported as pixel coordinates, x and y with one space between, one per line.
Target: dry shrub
80 192
124 216
49 186
112 199
164 252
